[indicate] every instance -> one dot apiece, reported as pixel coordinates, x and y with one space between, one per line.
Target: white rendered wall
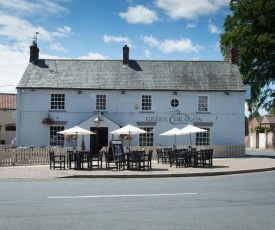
226 114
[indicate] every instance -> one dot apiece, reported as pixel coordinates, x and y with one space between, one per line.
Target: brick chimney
125 55
34 52
233 55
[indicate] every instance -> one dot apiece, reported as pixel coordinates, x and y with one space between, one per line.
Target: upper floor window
101 102
146 102
57 101
203 103
175 103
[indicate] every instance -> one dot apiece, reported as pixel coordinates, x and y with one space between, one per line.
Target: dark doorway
98 140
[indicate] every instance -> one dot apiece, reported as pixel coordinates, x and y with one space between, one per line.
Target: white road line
112 196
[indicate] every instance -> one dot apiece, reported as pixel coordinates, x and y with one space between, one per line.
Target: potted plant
47 121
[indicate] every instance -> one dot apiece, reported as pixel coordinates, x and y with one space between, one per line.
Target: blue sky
98 29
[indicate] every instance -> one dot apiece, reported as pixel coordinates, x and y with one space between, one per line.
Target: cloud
139 15
169 45
213 29
18 29
58 47
147 54
191 25
13 63
94 56
17 18
150 40
63 32
27 8
109 39
190 9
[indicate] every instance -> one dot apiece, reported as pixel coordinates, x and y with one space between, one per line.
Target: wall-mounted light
98 120
32 90
175 93
226 93
136 106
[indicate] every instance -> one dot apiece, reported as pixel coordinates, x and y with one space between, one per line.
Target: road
224 202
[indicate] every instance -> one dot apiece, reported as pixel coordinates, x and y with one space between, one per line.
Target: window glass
203 103
147 139
175 103
57 101
146 102
101 102
56 139
203 138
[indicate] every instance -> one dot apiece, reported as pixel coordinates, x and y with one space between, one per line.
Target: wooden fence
40 156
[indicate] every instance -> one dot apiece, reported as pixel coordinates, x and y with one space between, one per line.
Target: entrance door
98 140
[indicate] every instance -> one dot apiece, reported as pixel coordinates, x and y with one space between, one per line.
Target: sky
98 29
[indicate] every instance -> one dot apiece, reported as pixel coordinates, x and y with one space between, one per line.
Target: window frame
203 136
99 105
146 106
149 134
53 129
57 104
201 105
173 99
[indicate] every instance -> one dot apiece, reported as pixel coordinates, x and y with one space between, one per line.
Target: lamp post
98 122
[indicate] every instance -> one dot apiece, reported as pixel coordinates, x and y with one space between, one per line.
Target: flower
70 137
47 121
125 137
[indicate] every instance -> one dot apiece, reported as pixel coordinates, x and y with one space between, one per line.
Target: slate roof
139 75
7 101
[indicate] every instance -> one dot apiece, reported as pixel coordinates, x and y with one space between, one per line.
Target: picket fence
40 156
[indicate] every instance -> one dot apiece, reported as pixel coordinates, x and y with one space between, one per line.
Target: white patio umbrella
189 129
128 130
76 131
173 132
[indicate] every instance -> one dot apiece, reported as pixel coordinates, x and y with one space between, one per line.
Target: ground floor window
147 139
56 139
203 138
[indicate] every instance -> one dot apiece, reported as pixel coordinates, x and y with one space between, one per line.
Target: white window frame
203 107
204 138
149 135
56 103
56 139
99 105
146 106
173 100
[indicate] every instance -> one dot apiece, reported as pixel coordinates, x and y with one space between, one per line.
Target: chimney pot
125 55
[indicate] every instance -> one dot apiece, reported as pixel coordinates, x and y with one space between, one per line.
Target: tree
251 30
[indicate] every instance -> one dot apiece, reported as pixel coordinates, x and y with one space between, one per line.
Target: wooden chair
165 158
145 160
205 158
114 160
95 160
159 154
56 160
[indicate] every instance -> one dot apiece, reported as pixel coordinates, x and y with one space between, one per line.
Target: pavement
256 160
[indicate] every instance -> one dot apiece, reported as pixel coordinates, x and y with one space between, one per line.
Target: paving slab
221 166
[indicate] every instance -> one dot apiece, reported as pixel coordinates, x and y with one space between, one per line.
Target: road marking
112 196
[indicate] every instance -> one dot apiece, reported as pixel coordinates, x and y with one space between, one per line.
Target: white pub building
155 95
